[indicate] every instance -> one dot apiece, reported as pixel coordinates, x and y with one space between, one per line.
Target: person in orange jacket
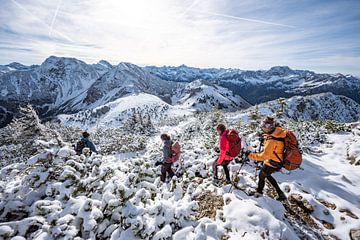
272 163
224 159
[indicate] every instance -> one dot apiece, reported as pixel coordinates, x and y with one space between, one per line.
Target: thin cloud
244 19
41 21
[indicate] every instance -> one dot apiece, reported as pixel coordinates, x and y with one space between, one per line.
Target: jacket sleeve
91 145
167 152
267 154
224 146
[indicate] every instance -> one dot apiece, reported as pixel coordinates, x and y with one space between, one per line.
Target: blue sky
323 36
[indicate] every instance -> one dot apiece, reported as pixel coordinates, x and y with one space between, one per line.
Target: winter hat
268 122
86 134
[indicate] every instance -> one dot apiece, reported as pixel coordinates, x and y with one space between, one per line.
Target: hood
225 132
278 133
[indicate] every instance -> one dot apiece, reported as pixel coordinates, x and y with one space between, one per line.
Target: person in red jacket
224 158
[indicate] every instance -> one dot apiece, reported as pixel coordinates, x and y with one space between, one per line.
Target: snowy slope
318 107
144 107
205 97
329 178
125 79
326 106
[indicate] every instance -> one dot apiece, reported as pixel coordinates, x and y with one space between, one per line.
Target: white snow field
58 195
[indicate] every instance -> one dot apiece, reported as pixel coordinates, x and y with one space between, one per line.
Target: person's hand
158 163
238 160
246 153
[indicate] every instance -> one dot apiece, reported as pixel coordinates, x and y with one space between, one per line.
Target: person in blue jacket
85 142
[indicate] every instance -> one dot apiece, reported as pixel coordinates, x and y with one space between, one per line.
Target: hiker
85 142
224 158
273 150
167 154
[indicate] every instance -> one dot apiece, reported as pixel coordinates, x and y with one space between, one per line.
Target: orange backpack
292 152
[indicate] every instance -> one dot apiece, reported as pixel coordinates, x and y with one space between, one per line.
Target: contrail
41 21
244 19
54 18
189 8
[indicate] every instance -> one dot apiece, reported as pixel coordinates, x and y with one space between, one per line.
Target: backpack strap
278 157
275 138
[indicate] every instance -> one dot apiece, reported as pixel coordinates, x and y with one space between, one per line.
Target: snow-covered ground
59 195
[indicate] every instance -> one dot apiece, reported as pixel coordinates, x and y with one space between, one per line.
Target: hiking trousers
225 165
166 168
265 173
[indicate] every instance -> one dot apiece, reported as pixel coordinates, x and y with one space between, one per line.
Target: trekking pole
255 175
238 172
257 166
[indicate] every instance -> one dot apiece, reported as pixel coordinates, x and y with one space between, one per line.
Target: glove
158 163
246 153
238 160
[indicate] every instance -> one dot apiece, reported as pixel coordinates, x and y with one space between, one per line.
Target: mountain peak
55 62
126 66
105 63
17 66
282 69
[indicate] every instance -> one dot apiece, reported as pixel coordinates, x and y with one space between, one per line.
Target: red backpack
292 152
175 148
80 145
234 143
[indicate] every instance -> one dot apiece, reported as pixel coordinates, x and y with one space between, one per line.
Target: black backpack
80 145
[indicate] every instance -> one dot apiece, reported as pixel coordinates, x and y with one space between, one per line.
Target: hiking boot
257 195
281 197
228 182
216 181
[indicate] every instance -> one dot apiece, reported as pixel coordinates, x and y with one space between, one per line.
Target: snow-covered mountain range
265 85
68 85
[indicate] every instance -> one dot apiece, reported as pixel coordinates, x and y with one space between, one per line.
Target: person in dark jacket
224 159
167 153
88 142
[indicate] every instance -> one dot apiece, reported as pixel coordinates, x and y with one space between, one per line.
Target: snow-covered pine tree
19 139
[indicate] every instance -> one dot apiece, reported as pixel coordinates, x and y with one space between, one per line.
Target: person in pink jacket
224 159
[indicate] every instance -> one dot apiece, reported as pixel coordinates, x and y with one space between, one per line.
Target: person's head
220 128
165 137
85 134
268 125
